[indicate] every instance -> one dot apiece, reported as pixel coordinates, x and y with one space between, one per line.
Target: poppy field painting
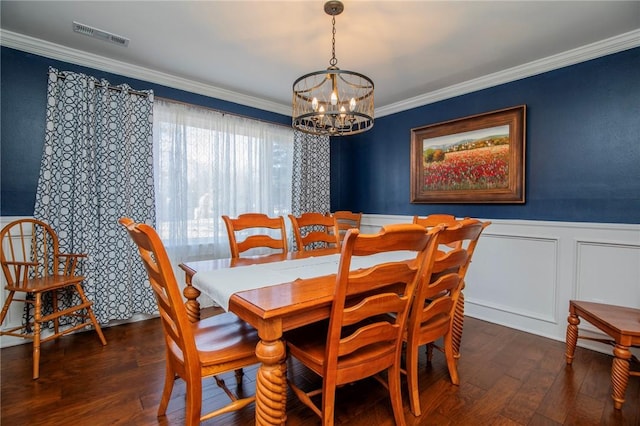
477 159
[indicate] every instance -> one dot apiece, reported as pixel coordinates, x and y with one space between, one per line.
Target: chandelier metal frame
333 102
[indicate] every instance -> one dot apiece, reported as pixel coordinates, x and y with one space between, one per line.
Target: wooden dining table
272 310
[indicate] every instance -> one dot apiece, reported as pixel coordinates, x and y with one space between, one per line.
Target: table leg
193 306
620 374
572 336
271 379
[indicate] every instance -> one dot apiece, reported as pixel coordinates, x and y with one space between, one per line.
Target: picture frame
475 159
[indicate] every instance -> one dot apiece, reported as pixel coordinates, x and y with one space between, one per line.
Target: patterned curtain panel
97 166
311 174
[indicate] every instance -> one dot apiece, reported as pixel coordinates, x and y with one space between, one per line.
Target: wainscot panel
525 272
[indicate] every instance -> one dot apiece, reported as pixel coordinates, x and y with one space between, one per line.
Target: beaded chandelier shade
333 102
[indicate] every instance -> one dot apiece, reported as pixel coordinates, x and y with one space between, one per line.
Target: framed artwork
476 159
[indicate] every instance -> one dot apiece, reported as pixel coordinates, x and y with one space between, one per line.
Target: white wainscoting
524 273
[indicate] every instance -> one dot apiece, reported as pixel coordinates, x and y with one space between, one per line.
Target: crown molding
51 50
79 57
571 57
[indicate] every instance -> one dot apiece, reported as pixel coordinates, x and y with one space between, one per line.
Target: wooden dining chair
368 315
314 231
435 219
194 351
621 324
33 265
433 308
256 222
450 220
346 220
458 318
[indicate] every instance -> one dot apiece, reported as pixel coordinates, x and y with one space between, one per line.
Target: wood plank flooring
507 377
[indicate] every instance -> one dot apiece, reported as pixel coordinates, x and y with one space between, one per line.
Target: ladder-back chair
434 305
206 348
470 246
315 230
435 220
346 220
255 222
368 316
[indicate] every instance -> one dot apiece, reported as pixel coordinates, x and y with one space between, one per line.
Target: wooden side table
621 324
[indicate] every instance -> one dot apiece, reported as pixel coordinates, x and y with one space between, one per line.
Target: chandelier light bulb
352 104
334 98
314 104
321 110
343 112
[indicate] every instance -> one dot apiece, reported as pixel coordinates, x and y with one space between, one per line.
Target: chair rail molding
525 272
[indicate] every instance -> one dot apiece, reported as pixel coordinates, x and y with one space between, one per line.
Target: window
208 164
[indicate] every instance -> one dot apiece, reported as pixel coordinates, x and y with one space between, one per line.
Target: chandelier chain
333 62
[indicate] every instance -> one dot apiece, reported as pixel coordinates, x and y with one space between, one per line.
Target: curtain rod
222 111
62 76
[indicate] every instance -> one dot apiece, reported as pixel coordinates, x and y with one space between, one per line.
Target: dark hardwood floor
507 377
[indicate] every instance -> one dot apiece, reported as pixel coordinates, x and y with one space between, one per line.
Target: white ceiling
251 51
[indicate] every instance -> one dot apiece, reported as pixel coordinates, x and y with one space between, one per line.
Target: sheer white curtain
208 164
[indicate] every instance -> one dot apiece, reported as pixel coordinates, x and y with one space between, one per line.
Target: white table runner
220 284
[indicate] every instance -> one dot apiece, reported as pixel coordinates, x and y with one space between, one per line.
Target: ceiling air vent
99 34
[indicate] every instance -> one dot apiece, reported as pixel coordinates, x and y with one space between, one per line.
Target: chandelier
333 102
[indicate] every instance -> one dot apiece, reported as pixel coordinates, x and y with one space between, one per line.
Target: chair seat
224 338
39 285
221 339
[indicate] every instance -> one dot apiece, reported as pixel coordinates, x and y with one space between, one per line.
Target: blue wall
582 148
582 154
23 99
